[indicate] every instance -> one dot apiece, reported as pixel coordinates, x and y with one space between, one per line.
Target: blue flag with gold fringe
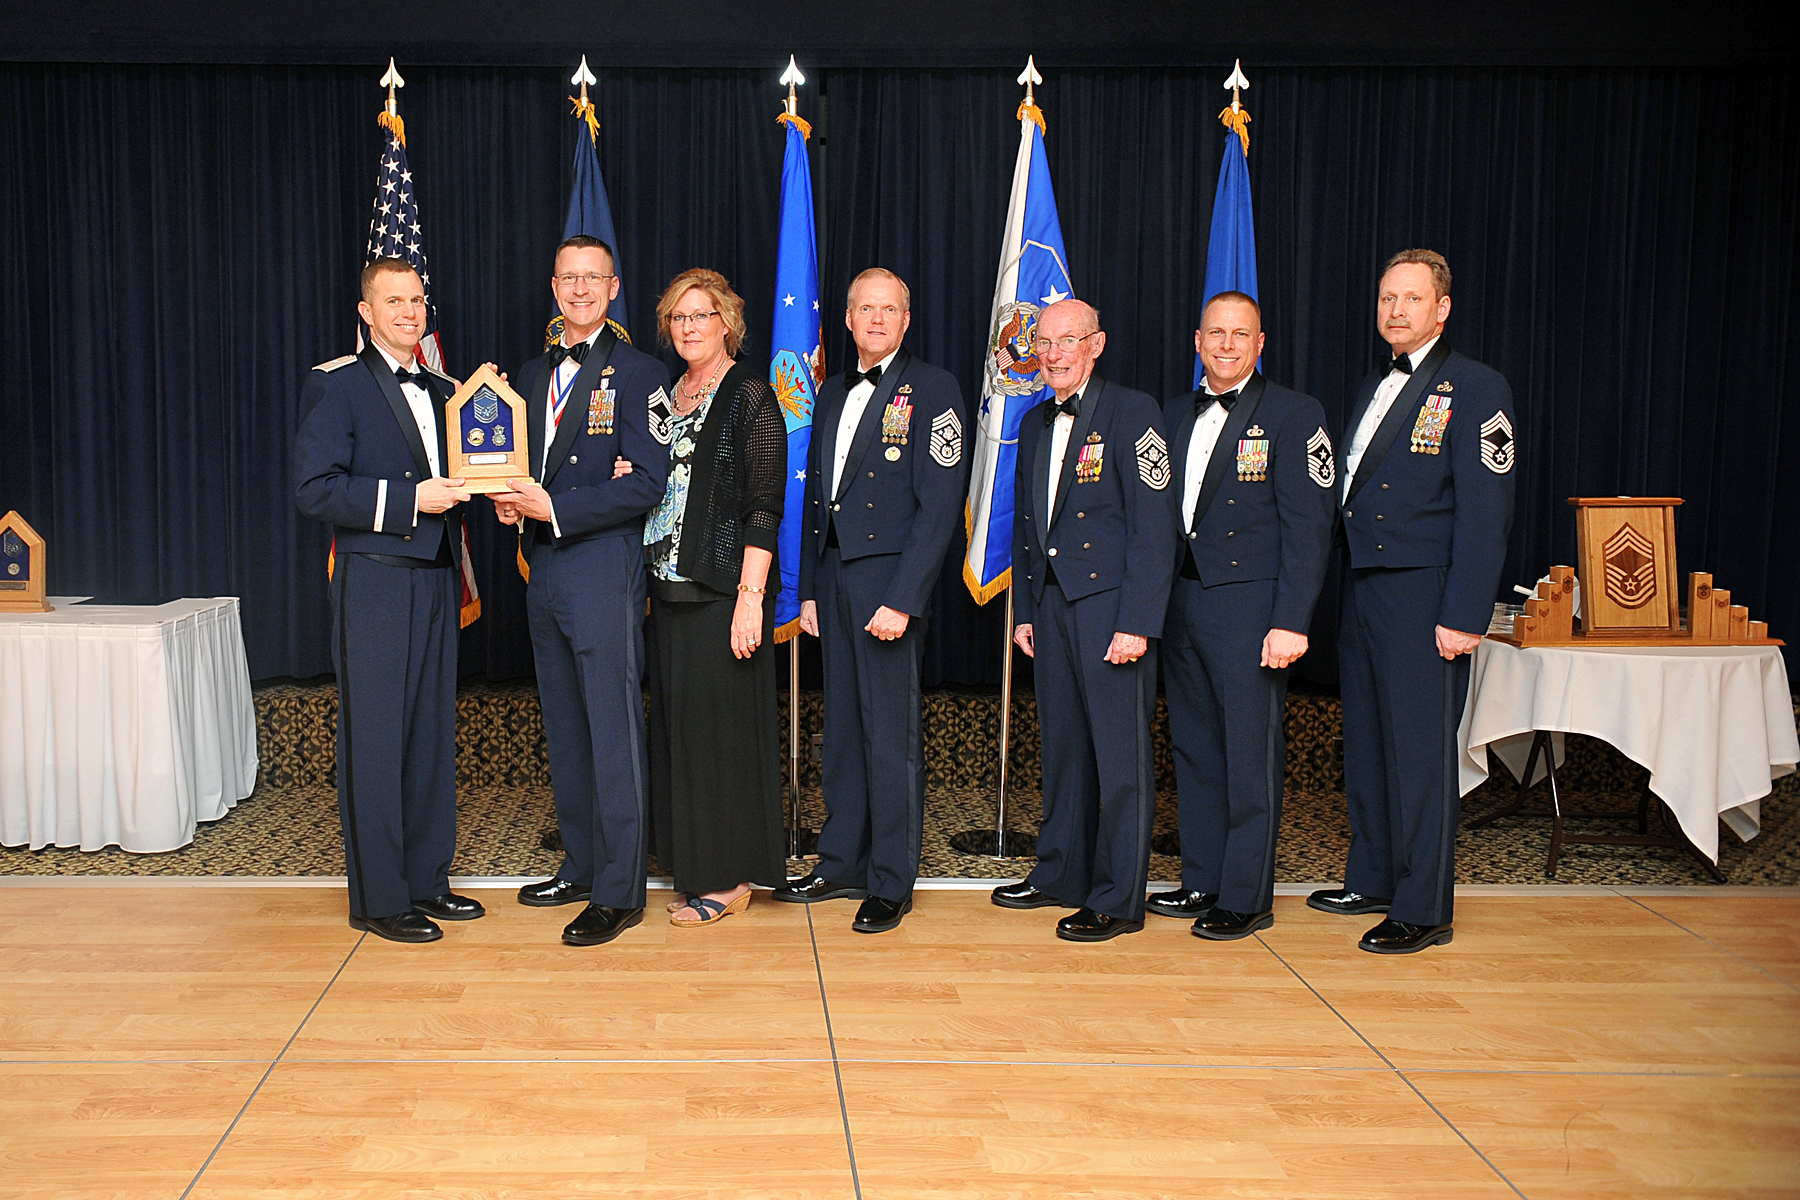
797 357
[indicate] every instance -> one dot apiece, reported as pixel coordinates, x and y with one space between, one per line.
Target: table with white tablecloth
123 725
1713 724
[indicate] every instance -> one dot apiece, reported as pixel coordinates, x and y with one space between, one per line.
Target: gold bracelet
745 587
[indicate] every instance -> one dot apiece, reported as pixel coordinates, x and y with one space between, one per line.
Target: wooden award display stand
22 568
1625 551
484 427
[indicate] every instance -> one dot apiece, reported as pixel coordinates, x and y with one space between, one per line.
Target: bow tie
1401 363
416 378
578 352
852 376
1070 407
1204 401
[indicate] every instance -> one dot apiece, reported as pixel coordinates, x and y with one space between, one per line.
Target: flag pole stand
999 842
801 841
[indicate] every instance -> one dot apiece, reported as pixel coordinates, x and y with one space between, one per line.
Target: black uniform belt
1189 568
417 564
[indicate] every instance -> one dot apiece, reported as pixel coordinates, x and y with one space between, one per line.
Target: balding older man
1093 554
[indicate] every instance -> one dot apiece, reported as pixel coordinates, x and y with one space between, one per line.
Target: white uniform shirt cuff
554 527
381 503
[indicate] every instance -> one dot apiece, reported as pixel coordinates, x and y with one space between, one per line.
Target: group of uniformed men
1204 526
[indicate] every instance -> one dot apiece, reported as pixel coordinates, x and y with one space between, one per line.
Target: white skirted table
123 725
1714 725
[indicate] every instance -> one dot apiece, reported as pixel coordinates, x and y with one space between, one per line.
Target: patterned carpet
289 825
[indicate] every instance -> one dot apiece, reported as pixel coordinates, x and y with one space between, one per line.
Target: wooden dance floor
244 1042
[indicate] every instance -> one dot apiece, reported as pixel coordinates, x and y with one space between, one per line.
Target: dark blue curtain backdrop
179 244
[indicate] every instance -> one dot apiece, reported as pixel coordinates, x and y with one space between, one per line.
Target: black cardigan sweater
736 491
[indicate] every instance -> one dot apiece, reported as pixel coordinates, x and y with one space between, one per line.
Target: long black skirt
715 749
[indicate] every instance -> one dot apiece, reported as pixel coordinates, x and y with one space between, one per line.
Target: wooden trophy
22 567
1625 552
484 424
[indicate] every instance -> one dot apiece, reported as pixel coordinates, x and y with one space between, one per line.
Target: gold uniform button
1384 487
1093 575
1087 545
1053 552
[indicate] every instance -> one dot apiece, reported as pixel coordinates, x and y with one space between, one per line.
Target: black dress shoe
1346 903
813 889
878 915
1181 903
552 892
450 907
402 927
599 924
1223 925
1398 937
1090 926
1023 895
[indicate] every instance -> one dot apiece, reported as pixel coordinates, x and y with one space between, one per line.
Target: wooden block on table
1699 607
1740 622
1721 616
1759 631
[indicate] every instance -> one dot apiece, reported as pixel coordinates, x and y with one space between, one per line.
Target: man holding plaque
367 462
591 400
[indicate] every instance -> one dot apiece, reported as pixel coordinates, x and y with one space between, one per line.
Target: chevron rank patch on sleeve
1153 460
662 417
1321 463
335 363
1497 450
946 439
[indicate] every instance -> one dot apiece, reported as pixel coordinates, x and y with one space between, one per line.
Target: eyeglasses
699 320
1065 344
591 279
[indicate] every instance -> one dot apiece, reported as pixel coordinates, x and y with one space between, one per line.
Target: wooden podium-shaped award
484 424
22 567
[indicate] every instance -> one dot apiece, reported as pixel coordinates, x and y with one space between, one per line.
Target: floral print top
662 529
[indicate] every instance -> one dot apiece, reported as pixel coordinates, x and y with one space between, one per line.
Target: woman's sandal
711 911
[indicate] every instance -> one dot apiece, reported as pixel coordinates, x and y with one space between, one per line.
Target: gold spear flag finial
1235 118
390 117
793 78
584 107
1030 78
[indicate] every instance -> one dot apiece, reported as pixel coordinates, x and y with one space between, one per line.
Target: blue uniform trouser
1225 712
1402 705
874 744
393 643
1099 775
585 605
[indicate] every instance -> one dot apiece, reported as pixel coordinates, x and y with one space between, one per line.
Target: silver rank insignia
1321 464
946 438
1497 449
662 419
1153 460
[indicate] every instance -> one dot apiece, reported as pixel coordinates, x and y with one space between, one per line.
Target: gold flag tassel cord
393 121
1238 121
1028 109
798 122
584 108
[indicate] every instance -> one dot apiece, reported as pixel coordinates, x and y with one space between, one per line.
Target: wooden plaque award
1625 549
22 569
484 425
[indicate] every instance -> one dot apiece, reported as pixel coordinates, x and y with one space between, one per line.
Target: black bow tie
1401 363
1204 401
1053 409
578 352
852 376
416 378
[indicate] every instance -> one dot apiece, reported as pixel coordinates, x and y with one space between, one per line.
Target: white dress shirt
424 412
1385 393
1059 449
855 401
1205 438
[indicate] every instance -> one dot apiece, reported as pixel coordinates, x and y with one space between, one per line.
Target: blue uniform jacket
358 445
895 497
618 407
1435 485
1114 524
1267 508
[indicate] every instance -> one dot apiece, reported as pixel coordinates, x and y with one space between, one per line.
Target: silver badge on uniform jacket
662 419
1153 460
1321 464
946 439
1497 451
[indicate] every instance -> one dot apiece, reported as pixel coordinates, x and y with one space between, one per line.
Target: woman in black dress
715 768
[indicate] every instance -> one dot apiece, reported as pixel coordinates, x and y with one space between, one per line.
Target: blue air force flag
589 211
1231 249
797 362
1034 274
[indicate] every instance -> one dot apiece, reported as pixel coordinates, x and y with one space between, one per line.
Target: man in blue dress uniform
884 488
1255 468
1093 553
591 400
1425 523
368 461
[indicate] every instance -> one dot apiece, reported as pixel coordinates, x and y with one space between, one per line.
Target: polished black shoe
450 907
1181 903
1223 925
402 927
552 892
599 924
1346 903
1090 926
1023 895
812 889
878 915
1398 937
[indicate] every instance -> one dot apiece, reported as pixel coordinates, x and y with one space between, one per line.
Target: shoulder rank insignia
1153 460
335 363
946 438
896 419
602 405
1089 462
1255 431
1497 448
1434 420
1253 458
1321 463
661 418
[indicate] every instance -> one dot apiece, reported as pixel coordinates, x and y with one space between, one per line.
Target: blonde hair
718 292
879 273
1440 267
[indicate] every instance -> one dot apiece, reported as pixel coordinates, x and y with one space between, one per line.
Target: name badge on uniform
1089 462
1253 460
896 419
602 405
1434 420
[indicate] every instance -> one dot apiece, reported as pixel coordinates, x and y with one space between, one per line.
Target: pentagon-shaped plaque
22 573
484 424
